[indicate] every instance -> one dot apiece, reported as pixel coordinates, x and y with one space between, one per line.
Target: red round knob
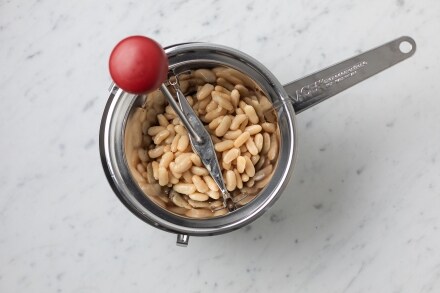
138 65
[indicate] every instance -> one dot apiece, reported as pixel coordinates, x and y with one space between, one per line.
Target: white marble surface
361 214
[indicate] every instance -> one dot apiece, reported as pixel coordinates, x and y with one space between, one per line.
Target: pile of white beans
243 126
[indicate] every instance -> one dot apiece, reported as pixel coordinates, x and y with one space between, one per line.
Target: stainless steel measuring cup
288 100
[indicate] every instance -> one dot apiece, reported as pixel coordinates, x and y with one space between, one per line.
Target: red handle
138 65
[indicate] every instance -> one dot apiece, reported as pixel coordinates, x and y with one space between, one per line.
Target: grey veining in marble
361 213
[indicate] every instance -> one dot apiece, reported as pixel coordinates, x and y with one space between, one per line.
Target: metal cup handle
319 86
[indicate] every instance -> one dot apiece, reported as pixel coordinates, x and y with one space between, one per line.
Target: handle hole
405 47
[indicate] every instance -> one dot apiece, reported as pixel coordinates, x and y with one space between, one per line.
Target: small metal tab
182 240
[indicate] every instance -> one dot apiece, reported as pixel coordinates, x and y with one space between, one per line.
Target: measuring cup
288 100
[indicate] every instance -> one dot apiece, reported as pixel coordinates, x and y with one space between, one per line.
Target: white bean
184 188
200 184
245 136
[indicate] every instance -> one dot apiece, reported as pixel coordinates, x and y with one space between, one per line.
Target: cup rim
112 132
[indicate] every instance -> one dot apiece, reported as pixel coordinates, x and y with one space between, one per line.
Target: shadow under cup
121 105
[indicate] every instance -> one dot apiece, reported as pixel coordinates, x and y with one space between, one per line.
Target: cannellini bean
266 143
210 182
183 165
243 138
224 83
137 176
260 163
184 188
166 159
249 168
216 122
202 104
236 122
214 114
178 200
241 164
170 128
219 88
239 111
170 117
187 176
223 126
153 130
255 159
156 152
178 210
231 155
244 124
155 166
258 140
199 213
172 179
242 105
224 145
231 181
222 101
163 121
273 151
205 74
169 110
163 176
183 143
245 177
180 129
244 92
250 112
175 142
196 160
200 184
173 170
226 166
215 139
211 106
252 148
221 212
169 140
135 134
150 175
215 204
229 77
194 82
238 179
232 134
260 175
199 196
250 183
151 189
161 136
199 171
198 204
269 127
213 194
235 97
253 129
